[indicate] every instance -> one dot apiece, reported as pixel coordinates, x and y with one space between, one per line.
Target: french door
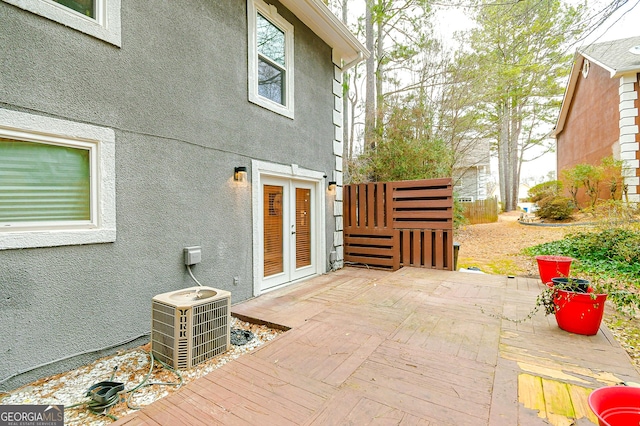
288 218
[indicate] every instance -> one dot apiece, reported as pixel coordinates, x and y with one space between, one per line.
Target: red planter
553 266
579 313
616 405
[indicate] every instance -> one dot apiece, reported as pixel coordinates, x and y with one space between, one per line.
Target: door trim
261 169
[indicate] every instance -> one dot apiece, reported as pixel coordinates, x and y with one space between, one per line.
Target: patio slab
412 347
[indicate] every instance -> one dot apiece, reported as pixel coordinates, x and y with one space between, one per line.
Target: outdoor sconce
332 186
240 174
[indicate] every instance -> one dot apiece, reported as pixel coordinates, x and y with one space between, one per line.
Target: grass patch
502 267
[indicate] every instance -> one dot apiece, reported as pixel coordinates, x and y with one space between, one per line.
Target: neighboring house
472 172
599 114
121 127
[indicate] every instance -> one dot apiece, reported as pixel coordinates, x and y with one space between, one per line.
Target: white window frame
101 143
105 26
271 14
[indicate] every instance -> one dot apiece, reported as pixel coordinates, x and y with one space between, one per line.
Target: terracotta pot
579 313
553 266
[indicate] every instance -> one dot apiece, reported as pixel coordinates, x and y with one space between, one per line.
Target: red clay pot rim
553 258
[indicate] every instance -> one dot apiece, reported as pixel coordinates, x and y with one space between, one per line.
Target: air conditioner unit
190 326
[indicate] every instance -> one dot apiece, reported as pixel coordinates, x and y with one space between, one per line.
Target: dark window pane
270 41
270 82
86 7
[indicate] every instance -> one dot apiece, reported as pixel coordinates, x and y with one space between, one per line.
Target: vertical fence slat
370 205
439 249
396 249
346 205
380 216
388 205
415 251
362 206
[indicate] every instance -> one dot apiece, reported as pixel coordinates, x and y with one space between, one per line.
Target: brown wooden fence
393 224
481 211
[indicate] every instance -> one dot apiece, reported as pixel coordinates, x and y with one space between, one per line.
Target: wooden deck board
413 347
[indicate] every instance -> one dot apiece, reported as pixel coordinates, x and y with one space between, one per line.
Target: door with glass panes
288 230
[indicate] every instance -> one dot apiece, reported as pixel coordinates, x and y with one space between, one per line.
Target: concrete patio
416 346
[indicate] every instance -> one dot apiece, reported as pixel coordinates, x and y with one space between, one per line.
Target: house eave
626 71
347 50
568 95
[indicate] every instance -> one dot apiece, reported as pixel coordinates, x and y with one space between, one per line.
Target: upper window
98 18
85 7
270 58
56 182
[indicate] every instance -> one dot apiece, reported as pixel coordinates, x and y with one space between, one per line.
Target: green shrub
544 190
555 207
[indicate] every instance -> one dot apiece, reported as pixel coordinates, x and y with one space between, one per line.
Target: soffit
317 16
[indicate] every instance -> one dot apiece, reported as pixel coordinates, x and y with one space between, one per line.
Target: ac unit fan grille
163 327
210 325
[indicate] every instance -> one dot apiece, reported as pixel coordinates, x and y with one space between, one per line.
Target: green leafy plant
555 207
609 257
544 190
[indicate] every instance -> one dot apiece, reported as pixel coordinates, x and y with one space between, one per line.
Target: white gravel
69 388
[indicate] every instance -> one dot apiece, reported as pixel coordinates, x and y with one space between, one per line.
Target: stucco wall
175 94
591 129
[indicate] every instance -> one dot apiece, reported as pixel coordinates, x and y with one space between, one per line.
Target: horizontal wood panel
371 261
423 225
422 214
423 193
355 242
362 250
422 182
376 232
422 204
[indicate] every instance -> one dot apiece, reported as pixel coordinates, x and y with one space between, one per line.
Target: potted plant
578 307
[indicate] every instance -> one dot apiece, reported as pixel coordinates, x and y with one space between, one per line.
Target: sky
623 24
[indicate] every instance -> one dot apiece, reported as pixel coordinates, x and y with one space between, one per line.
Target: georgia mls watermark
31 415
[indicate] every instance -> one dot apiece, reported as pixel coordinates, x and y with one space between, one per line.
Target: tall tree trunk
379 72
503 157
346 141
369 106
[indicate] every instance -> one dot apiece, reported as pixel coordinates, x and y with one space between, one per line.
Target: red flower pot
579 313
616 405
553 266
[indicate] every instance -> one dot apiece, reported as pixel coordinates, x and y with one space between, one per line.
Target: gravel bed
130 367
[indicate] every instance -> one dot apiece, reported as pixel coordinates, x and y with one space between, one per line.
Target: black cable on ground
103 407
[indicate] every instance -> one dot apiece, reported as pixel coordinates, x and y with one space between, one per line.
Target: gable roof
613 56
317 16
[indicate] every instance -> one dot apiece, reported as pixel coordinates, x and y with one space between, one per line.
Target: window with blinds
273 223
303 227
44 184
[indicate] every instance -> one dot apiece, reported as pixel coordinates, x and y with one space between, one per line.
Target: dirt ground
496 248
